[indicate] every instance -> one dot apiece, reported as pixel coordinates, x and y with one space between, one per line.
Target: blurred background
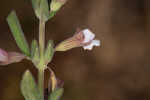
117 70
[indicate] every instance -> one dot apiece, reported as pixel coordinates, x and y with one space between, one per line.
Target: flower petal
88 35
3 55
92 44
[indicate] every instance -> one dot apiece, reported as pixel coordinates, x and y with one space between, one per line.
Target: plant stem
42 37
41 66
41 83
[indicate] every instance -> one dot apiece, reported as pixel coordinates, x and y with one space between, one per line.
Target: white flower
89 39
84 38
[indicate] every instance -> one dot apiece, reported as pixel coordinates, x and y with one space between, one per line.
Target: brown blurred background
118 70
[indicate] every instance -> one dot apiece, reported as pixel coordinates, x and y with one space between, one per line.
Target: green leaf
29 88
52 14
18 34
36 7
56 94
35 54
44 8
49 52
34 45
41 9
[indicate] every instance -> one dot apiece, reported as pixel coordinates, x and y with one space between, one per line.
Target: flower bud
84 38
56 5
54 82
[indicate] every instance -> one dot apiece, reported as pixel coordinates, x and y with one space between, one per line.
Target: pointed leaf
49 52
36 57
29 88
52 14
44 7
36 7
34 45
35 54
56 94
18 33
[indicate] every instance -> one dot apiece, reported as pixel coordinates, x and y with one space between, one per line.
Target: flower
84 38
10 57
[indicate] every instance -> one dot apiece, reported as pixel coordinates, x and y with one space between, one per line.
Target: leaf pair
48 54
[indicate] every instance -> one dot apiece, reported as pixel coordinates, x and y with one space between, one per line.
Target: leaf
18 34
52 14
34 45
36 7
41 9
56 94
29 88
44 8
49 52
35 54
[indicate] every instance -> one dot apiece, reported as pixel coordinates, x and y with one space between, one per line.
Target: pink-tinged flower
3 56
84 38
10 57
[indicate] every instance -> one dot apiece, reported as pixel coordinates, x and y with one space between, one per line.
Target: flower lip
89 41
92 44
88 35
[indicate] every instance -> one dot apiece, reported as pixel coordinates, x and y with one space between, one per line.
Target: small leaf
55 5
36 7
52 14
29 88
36 57
56 94
18 33
49 52
34 45
35 54
44 8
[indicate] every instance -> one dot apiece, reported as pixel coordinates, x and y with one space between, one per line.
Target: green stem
41 65
42 37
41 83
